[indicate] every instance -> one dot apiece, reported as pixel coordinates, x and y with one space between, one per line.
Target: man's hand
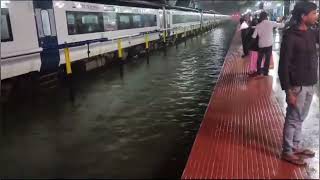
291 98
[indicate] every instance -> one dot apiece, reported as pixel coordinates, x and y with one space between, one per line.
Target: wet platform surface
241 134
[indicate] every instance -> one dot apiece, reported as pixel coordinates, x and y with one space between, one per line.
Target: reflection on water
140 126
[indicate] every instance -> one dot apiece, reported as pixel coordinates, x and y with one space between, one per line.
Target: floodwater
141 125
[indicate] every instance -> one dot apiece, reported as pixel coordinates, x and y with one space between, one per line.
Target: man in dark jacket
298 68
244 28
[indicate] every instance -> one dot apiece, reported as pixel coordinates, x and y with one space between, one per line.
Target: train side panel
108 34
20 51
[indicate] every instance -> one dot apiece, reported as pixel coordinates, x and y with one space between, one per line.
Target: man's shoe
294 159
259 76
304 152
254 74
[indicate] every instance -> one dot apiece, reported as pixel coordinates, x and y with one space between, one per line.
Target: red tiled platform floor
240 136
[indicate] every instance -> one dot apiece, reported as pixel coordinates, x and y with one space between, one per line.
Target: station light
258 3
4 4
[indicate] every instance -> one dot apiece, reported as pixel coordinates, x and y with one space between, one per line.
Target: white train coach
35 33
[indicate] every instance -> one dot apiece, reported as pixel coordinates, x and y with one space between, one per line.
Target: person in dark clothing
244 27
298 66
253 43
254 21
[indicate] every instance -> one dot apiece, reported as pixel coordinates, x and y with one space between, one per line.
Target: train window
149 20
130 21
45 23
71 24
124 21
110 21
84 22
176 19
89 19
90 23
137 21
71 19
185 18
6 33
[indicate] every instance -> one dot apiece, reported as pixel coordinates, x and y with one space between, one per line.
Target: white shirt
265 32
244 25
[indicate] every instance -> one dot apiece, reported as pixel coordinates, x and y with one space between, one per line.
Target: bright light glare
257 4
4 4
59 4
78 5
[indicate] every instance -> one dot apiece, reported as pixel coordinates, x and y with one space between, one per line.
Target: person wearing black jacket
253 42
244 28
298 66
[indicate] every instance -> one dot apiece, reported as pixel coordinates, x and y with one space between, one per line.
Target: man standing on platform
265 32
244 28
298 66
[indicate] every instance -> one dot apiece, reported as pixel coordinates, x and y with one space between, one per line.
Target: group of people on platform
298 67
257 41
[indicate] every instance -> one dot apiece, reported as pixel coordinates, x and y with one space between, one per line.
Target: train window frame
5 12
189 18
106 24
47 31
138 24
150 18
130 21
78 17
147 20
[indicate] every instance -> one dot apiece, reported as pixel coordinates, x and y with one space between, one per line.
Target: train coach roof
139 3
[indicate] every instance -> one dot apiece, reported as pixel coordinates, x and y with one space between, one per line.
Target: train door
47 36
201 20
168 13
164 16
161 20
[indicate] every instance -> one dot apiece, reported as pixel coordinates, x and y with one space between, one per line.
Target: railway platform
241 133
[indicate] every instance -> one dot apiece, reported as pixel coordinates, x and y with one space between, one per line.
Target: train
35 34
